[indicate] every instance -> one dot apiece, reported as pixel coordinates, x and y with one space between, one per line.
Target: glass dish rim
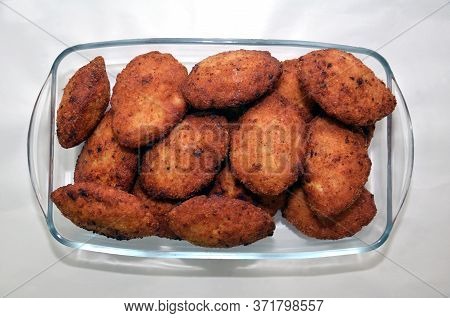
217 254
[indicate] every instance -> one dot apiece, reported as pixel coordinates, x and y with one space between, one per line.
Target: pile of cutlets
210 156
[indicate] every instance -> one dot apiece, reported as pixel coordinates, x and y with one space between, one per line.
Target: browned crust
268 147
147 100
369 131
220 222
105 210
187 160
160 209
290 88
103 160
345 224
85 99
271 204
337 166
344 87
227 185
230 79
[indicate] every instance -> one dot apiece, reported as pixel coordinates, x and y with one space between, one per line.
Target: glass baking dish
51 166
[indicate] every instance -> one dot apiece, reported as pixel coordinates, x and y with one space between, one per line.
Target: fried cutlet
147 100
187 160
268 147
85 99
345 224
231 79
336 164
344 87
218 221
105 210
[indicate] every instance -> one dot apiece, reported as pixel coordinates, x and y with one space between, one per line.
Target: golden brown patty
344 87
227 185
230 79
147 100
336 166
268 147
83 103
289 87
220 222
103 160
187 160
160 209
105 210
345 224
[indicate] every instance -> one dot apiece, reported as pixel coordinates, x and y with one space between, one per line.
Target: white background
414 262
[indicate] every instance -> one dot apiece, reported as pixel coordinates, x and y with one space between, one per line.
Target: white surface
419 248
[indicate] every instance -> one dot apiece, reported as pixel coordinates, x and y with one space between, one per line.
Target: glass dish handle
38 145
402 155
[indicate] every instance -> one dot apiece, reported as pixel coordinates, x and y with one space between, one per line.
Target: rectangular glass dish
51 166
